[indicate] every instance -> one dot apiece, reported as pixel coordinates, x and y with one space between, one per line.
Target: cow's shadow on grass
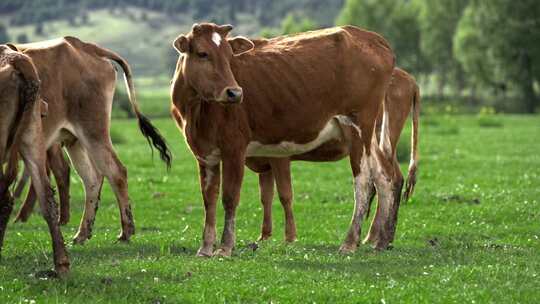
404 261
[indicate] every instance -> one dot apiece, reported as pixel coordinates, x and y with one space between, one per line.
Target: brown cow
402 95
292 87
78 85
21 132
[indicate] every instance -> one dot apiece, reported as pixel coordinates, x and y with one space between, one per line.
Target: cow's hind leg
28 206
266 190
388 182
107 163
21 184
60 169
92 181
34 158
361 168
6 207
281 168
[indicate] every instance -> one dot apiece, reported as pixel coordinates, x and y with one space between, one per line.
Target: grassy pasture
470 235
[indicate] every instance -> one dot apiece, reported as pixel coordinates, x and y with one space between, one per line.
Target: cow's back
73 78
328 71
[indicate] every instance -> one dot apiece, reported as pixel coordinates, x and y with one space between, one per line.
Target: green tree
291 24
295 24
498 41
438 21
396 21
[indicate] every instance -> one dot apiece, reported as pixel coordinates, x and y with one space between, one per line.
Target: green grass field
470 235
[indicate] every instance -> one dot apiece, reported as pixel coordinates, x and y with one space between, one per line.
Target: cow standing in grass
78 82
21 133
293 87
401 98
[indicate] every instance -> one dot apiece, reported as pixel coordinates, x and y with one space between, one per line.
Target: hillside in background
143 31
467 53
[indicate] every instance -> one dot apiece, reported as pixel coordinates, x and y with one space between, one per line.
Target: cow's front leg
209 180
233 173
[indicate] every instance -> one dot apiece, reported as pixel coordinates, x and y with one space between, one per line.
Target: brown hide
401 98
24 137
78 82
293 86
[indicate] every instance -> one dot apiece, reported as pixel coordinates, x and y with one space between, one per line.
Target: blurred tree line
268 12
477 51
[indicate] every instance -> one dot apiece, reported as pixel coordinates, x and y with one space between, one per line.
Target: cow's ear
13 47
181 44
240 45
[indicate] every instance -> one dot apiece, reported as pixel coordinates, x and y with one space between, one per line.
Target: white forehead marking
216 38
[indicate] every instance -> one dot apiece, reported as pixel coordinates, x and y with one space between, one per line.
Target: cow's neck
207 125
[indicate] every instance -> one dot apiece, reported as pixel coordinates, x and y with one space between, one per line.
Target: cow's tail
151 133
413 165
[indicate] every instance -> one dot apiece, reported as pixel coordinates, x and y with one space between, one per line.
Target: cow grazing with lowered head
78 82
21 134
401 98
235 98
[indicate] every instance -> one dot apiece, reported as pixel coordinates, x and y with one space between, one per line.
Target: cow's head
206 65
19 90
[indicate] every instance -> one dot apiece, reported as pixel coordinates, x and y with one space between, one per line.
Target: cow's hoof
381 245
62 270
80 239
290 239
21 218
347 249
127 232
223 252
204 253
123 238
63 221
264 237
370 240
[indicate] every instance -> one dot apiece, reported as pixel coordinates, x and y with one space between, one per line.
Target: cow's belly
331 131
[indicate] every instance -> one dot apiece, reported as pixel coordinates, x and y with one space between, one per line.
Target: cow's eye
202 55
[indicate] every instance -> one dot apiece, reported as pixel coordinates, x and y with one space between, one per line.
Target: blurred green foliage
4 37
476 52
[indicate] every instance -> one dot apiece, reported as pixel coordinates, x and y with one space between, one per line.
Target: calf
78 85
21 133
401 98
293 87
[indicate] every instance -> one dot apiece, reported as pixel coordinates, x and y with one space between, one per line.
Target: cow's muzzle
232 95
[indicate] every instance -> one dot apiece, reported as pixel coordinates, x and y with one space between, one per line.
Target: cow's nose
234 94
